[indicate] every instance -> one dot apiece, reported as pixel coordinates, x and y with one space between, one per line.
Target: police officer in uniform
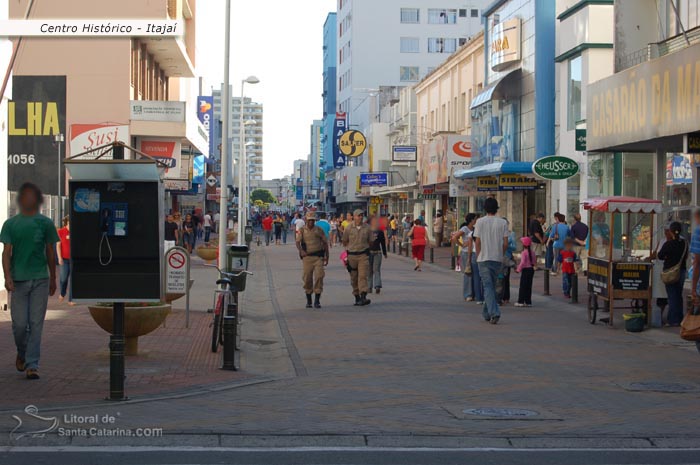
357 240
313 251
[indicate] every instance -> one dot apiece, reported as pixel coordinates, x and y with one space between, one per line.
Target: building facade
395 43
252 112
330 56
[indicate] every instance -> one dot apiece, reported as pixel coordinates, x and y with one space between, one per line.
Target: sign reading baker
658 98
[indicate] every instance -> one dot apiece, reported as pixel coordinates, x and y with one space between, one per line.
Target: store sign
598 276
352 143
168 152
433 161
487 183
692 143
84 137
35 115
205 113
459 152
580 140
158 110
505 44
339 160
555 168
657 98
516 182
376 201
374 179
404 153
679 170
428 197
631 276
462 187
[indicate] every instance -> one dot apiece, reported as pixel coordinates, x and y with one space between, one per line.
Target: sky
281 43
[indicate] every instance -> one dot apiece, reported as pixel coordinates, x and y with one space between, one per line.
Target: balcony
658 49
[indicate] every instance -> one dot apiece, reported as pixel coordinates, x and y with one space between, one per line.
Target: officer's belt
364 252
319 253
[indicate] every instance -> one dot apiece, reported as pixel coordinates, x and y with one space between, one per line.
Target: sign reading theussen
658 98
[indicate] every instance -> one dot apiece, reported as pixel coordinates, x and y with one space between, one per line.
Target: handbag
673 274
690 326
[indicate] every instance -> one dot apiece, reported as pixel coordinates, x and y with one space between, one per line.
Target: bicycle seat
226 281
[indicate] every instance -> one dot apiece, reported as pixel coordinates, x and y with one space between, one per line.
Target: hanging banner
205 112
339 159
35 115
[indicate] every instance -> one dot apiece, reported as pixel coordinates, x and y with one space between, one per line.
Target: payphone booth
116 217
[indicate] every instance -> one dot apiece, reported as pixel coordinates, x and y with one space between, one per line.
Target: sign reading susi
555 168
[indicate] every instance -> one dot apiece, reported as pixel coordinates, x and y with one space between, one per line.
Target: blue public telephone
114 219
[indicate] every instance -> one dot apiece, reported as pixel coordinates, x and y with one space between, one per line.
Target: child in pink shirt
526 268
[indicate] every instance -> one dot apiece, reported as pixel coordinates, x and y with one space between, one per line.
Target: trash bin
634 322
248 234
236 260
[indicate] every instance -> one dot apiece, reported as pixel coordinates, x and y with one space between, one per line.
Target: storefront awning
621 204
487 94
494 169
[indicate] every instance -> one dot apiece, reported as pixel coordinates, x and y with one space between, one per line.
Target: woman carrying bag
674 253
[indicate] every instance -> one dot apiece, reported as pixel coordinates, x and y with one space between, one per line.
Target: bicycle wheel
216 333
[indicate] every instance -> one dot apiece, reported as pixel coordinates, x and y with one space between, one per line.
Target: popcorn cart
620 246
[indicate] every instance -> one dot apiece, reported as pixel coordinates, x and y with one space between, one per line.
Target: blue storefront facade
513 117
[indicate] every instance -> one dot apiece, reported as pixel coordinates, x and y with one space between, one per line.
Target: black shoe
308 301
494 320
358 300
317 301
364 300
379 289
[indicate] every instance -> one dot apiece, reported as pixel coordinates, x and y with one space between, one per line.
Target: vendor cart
620 246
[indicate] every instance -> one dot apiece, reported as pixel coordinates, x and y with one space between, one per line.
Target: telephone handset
114 222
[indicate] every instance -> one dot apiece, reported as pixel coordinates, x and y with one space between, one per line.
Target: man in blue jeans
695 250
29 265
491 241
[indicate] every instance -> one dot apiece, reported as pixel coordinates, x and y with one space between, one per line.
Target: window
474 13
574 93
442 45
463 13
409 73
442 16
410 45
410 15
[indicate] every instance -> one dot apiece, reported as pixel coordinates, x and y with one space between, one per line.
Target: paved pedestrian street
417 367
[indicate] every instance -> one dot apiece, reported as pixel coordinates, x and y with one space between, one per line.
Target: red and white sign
176 271
459 152
177 260
84 137
168 151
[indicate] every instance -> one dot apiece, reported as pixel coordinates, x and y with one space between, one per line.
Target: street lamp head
251 80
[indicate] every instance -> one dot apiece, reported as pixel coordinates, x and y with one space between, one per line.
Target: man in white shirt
216 219
491 240
207 226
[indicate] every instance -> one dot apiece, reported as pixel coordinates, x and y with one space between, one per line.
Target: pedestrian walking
267 228
29 267
217 218
277 225
559 233
171 233
508 264
537 236
579 233
568 259
526 268
285 228
313 250
438 228
63 255
463 238
197 228
325 225
491 241
207 226
357 241
674 253
334 231
188 233
418 234
377 249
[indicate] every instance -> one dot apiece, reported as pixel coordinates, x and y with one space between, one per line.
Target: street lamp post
59 138
225 117
243 164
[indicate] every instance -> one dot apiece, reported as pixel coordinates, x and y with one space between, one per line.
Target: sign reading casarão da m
658 98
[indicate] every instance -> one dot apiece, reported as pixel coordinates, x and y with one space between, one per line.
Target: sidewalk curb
355 442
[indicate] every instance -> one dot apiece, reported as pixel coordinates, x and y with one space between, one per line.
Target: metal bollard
229 352
117 349
574 288
406 249
546 283
432 255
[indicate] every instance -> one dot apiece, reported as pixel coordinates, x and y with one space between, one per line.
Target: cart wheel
592 308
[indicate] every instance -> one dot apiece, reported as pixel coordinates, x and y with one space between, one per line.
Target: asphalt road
340 456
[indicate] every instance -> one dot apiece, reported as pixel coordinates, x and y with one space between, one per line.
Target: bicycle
225 304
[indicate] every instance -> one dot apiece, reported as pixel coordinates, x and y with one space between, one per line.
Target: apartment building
136 90
330 54
395 43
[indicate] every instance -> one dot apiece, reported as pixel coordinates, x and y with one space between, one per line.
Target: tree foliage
263 195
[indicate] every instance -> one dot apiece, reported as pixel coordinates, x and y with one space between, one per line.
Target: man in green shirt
29 265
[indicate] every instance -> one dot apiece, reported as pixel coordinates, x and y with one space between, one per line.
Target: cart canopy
622 204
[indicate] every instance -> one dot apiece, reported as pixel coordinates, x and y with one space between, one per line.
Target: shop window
678 195
573 196
494 134
574 93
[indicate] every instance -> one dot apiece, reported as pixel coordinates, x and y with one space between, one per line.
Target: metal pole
116 353
574 288
432 255
225 117
242 197
58 195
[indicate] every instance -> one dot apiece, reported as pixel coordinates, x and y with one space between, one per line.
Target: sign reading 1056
21 159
